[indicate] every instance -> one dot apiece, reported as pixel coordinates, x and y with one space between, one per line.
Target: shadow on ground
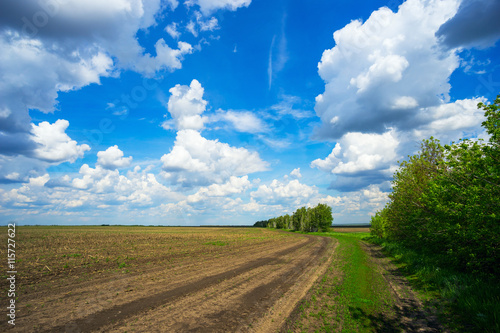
405 318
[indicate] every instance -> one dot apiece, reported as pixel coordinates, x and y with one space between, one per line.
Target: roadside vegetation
335 302
372 285
441 232
442 224
355 295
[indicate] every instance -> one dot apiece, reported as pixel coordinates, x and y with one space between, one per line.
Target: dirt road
247 291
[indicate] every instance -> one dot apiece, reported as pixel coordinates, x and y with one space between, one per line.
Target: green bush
446 201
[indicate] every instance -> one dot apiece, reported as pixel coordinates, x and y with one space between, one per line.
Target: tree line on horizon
446 200
305 219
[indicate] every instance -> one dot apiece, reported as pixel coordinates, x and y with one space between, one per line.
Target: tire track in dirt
252 305
68 290
56 305
121 312
237 304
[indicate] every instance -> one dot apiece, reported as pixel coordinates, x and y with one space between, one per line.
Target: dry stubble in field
108 278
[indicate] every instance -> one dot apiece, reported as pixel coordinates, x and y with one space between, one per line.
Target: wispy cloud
278 55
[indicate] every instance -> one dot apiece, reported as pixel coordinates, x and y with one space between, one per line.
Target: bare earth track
250 290
410 314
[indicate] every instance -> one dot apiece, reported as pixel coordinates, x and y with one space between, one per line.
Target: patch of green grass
74 255
470 303
350 295
216 243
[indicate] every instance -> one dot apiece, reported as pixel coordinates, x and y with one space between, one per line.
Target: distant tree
305 219
288 221
299 217
261 224
323 214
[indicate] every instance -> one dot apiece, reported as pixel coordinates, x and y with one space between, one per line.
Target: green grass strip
469 303
351 296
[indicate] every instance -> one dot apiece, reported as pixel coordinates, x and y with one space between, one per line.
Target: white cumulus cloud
296 173
356 152
451 121
382 72
185 105
54 144
292 191
389 72
112 158
234 185
195 160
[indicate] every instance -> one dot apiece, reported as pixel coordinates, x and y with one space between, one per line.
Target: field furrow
229 279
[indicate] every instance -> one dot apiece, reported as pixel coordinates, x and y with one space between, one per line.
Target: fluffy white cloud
98 178
96 192
39 181
54 144
136 188
55 46
195 160
201 24
209 6
391 71
242 121
296 173
29 65
357 152
209 25
451 121
112 158
383 72
233 186
387 68
87 27
277 191
166 58
356 206
31 77
185 105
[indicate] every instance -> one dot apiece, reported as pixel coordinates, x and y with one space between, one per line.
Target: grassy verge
468 303
350 295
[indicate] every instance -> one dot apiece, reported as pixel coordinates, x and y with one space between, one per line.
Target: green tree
406 211
446 200
378 224
324 217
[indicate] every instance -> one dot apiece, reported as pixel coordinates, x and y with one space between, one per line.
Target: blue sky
230 111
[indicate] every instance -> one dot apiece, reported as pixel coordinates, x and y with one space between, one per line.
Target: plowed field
153 279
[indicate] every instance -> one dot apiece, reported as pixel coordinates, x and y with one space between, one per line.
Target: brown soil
410 314
238 291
